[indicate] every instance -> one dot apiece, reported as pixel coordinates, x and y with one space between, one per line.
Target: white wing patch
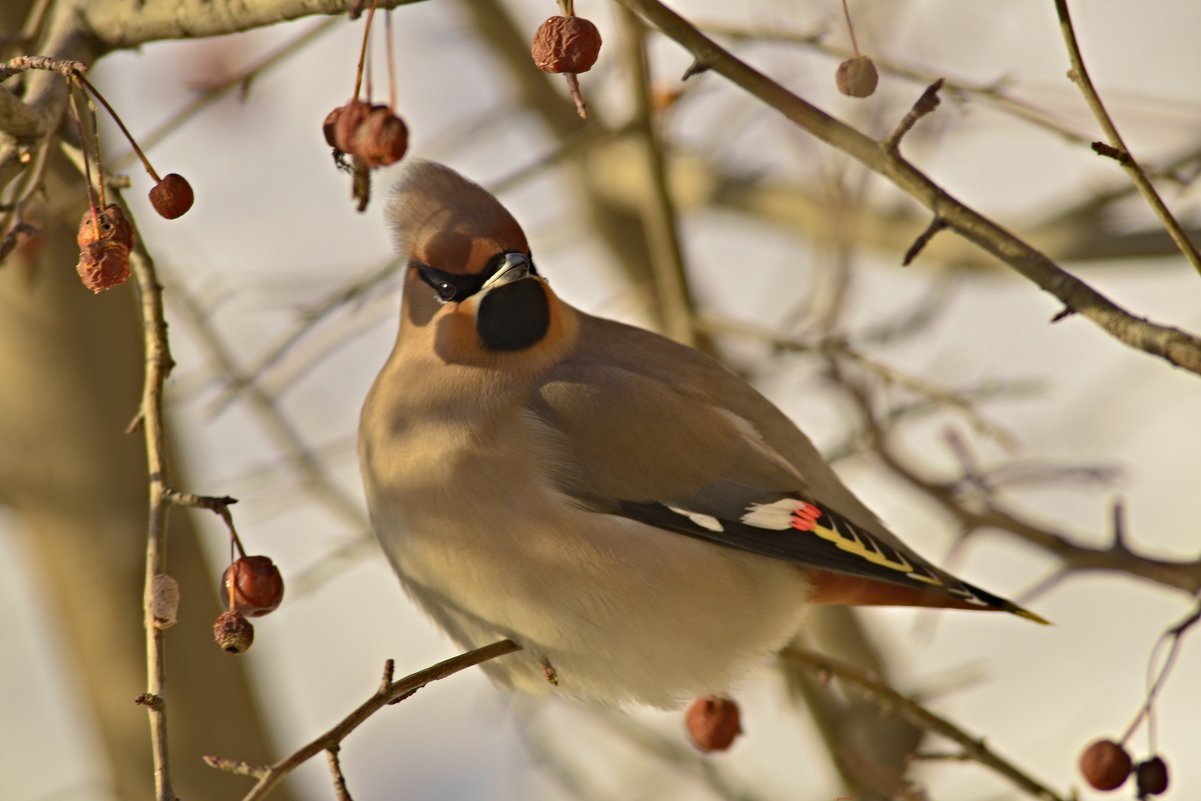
776 516
707 522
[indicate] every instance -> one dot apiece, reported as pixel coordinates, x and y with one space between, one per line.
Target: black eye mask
452 288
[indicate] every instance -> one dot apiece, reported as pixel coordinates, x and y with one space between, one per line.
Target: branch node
1063 314
695 68
237 767
923 239
150 701
1116 153
924 105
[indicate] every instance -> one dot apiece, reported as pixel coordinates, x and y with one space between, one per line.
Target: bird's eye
446 290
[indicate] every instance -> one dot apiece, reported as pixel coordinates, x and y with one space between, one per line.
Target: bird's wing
648 430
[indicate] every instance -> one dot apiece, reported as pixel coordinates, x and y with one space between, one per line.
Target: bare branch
974 748
1117 148
158 366
926 103
667 255
1171 344
271 776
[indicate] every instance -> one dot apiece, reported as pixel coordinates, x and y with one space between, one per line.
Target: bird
645 524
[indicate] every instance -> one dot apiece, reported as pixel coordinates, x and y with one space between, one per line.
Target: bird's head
470 280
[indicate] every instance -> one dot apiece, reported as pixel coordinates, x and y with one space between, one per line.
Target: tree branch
974 748
1121 153
388 692
158 366
1177 347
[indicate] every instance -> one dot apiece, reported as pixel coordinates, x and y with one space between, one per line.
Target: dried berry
713 723
1151 776
103 265
1105 765
109 225
381 138
233 632
172 196
857 77
164 601
341 123
257 587
566 44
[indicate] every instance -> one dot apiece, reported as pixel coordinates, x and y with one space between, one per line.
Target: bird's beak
514 267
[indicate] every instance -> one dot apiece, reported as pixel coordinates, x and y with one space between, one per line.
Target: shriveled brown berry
233 632
566 44
1105 765
343 122
110 225
713 723
857 77
256 584
103 265
172 196
1151 776
164 601
381 138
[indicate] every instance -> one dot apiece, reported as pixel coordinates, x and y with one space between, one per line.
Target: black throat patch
514 316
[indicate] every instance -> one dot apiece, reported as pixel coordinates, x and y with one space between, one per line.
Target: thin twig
158 367
667 254
974 747
271 417
1175 346
311 318
1117 557
925 104
992 93
1123 155
923 239
272 775
335 770
1174 635
65 67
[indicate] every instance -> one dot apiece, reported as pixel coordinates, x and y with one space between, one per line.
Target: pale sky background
273 231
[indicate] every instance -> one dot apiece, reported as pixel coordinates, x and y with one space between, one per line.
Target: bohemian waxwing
632 513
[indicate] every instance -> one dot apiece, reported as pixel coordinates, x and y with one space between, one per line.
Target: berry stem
100 182
358 75
391 51
87 168
117 119
846 12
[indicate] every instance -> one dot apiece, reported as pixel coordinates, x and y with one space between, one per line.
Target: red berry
381 138
566 44
233 632
172 196
257 586
1105 765
341 123
713 723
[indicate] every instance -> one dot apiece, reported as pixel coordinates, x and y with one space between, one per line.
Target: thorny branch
1175 346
